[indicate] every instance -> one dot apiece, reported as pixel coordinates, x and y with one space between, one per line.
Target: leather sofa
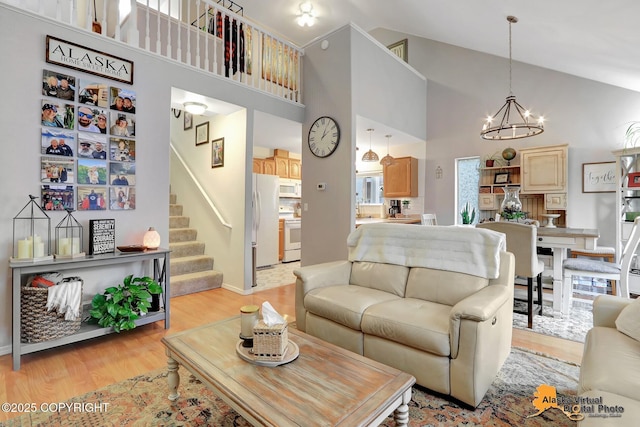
435 302
610 368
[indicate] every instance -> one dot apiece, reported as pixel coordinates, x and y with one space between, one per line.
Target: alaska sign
74 56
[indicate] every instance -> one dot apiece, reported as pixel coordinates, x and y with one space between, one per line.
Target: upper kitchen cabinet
401 178
264 166
544 169
282 167
295 169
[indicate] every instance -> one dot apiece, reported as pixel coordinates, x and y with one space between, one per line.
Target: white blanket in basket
468 250
65 297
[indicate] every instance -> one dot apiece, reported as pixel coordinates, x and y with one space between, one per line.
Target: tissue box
270 342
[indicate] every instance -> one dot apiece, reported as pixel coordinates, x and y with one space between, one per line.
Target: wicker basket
270 342
36 323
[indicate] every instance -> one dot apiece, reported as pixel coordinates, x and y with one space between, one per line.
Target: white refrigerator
265 219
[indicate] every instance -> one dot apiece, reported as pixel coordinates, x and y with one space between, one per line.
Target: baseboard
5 350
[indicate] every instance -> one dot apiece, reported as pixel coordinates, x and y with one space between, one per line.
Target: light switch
306 207
322 186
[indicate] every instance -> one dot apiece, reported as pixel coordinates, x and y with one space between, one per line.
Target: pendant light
523 124
370 156
387 160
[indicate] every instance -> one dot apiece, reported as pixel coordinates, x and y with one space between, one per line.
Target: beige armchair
521 242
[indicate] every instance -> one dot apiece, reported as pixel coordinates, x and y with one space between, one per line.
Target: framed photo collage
87 144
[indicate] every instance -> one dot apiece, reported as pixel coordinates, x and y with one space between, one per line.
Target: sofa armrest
314 277
606 309
479 307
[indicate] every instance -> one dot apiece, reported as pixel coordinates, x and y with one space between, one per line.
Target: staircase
190 269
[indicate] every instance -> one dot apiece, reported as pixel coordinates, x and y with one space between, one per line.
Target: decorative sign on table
102 236
599 177
74 56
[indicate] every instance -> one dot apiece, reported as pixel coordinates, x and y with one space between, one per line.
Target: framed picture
188 120
600 177
501 178
400 49
634 179
202 133
217 153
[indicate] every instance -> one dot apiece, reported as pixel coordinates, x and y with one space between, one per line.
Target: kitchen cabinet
541 176
282 166
22 270
544 169
264 166
295 169
281 239
400 179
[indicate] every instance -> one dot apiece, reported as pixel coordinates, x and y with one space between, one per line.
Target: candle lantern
69 237
31 233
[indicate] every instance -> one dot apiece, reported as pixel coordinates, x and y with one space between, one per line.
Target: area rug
572 327
142 401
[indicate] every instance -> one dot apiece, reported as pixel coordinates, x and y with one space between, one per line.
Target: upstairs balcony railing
210 35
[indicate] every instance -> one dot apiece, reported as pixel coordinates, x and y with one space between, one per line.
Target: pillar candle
24 248
63 246
38 249
75 245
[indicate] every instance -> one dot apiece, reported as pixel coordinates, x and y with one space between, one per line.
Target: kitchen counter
410 220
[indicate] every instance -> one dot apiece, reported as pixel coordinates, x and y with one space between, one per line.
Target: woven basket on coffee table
270 342
36 323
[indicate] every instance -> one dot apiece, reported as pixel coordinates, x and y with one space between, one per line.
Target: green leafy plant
119 306
511 214
494 159
468 214
632 135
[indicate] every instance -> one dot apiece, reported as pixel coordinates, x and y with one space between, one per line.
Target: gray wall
354 76
465 86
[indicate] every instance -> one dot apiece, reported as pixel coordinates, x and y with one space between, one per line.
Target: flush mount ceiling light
306 15
195 108
387 160
370 156
515 121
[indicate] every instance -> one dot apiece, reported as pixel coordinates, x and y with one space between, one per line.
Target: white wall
465 86
221 185
23 53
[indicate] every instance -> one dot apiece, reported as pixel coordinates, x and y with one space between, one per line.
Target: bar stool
605 252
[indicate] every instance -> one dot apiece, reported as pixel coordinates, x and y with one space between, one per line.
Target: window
369 188
467 180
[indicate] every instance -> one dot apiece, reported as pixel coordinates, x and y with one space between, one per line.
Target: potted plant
468 214
119 306
492 160
632 135
405 205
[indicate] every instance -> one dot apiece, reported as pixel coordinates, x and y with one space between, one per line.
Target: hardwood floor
58 374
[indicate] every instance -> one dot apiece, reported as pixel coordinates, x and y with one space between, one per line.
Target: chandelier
370 156
387 160
515 122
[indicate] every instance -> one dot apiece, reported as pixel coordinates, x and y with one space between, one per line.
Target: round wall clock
324 137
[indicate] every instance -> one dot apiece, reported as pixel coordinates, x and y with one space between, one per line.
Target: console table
21 271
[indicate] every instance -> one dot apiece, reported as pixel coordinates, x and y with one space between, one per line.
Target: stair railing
199 187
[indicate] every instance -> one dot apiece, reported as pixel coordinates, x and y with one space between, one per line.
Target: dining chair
602 269
429 219
521 242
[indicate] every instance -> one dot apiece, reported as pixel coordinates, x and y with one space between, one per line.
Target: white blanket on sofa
466 250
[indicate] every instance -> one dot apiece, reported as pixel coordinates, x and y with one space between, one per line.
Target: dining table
559 239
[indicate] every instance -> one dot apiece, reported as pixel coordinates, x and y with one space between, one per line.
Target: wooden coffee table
326 385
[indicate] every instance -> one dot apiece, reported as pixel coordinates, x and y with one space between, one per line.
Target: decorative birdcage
69 237
31 233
